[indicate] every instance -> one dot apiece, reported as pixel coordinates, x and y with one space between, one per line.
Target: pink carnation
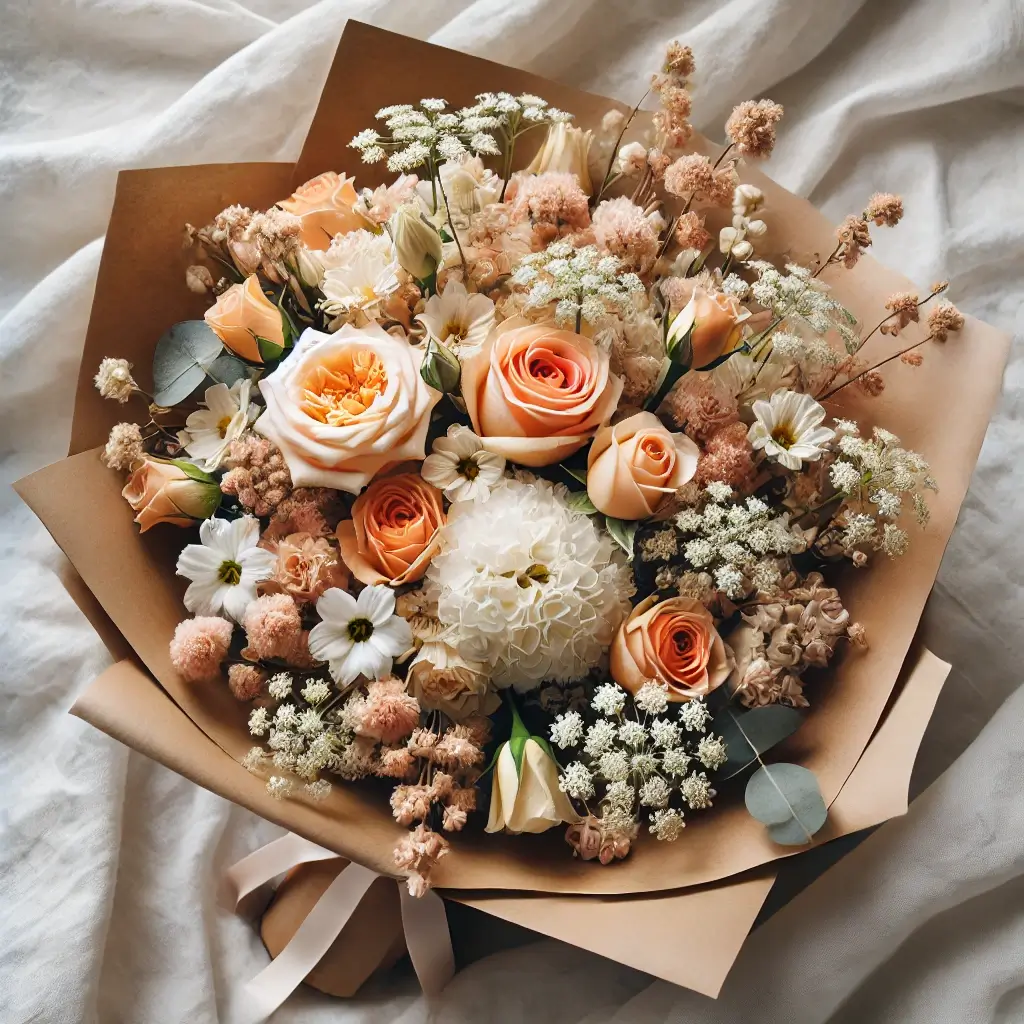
272 625
306 566
389 713
701 406
245 682
199 646
552 202
727 457
628 232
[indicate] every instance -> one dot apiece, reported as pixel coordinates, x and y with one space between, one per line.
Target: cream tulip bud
440 368
565 149
308 268
418 246
747 199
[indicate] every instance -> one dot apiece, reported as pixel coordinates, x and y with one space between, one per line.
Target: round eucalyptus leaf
748 734
786 798
182 360
228 369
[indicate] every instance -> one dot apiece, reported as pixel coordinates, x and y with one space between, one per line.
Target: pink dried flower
476 728
199 646
297 515
912 358
454 819
552 202
679 60
885 209
854 237
690 232
858 634
306 566
628 232
124 446
904 309
389 713
271 623
945 319
615 845
751 127
464 798
585 837
411 803
690 174
245 682
395 762
257 475
379 205
702 405
417 853
441 786
871 383
659 162
729 458
422 742
456 751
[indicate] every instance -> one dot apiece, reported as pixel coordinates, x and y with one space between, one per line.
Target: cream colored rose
442 680
162 492
241 314
674 643
527 798
536 394
565 149
343 406
326 205
634 464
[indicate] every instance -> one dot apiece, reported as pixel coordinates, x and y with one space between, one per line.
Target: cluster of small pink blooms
246 682
728 458
226 235
854 237
944 319
413 803
272 626
381 204
457 749
628 232
114 379
552 202
694 176
257 475
199 646
904 310
309 510
417 853
701 406
123 447
670 86
198 279
595 839
276 235
871 383
395 762
388 712
912 358
690 232
751 127
403 302
885 209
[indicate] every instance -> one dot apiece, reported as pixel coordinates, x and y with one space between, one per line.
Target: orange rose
326 207
162 492
634 464
240 314
716 319
674 643
536 394
393 532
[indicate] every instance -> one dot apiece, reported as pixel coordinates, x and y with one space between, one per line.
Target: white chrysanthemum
528 585
360 272
459 465
458 318
788 428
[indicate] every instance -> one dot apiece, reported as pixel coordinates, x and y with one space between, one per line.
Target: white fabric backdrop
108 862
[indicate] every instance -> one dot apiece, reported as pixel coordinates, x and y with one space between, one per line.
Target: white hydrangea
280 686
609 699
614 765
712 752
600 736
655 792
697 791
845 476
316 691
632 733
676 761
528 585
259 722
664 733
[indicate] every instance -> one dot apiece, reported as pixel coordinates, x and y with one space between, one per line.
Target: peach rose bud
326 205
162 491
393 532
713 323
674 643
635 464
242 314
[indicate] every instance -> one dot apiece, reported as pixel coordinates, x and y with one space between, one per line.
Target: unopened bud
418 246
441 368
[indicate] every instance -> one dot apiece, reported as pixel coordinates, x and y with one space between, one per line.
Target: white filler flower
225 567
461 467
209 432
359 636
788 428
457 318
360 272
527 585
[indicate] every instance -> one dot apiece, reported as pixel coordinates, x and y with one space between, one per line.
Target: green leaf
576 472
518 745
192 471
748 734
228 369
786 798
579 501
270 351
182 360
622 532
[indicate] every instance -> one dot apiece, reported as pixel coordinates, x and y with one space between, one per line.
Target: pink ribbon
423 919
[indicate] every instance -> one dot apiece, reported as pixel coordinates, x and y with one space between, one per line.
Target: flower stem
608 176
870 369
455 234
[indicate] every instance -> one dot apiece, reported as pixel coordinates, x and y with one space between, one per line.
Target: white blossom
712 752
576 781
567 730
652 698
696 791
666 824
694 715
655 792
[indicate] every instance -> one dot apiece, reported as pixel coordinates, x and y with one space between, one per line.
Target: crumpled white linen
108 862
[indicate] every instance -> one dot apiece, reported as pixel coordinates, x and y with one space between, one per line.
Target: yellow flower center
783 436
222 425
338 393
454 329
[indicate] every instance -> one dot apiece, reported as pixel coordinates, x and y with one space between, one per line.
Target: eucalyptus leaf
786 798
622 532
228 369
182 360
579 501
748 734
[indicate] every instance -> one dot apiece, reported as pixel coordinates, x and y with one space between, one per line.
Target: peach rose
393 532
536 394
343 406
674 643
240 314
717 322
162 492
634 464
326 207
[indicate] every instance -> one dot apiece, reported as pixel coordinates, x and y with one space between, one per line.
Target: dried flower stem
608 176
870 369
451 226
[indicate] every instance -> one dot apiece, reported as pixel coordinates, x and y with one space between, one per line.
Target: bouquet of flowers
516 480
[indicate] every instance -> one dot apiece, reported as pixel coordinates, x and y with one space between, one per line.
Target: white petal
237 598
257 565
377 603
220 402
204 597
439 470
246 533
392 638
217 535
336 606
327 642
197 562
364 659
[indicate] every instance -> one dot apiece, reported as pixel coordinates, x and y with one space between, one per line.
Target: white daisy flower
460 467
225 567
360 272
457 318
359 636
788 428
209 432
